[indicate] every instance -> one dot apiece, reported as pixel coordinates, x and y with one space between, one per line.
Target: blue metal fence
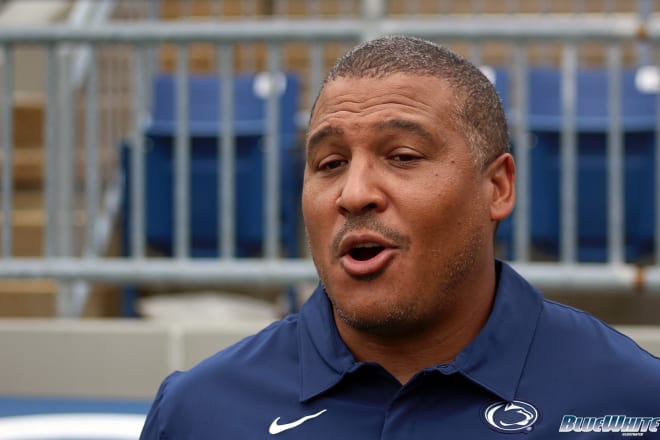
584 139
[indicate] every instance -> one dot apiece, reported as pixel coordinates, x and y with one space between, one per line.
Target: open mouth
365 252
366 255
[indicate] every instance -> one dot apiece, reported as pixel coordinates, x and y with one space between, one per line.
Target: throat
402 353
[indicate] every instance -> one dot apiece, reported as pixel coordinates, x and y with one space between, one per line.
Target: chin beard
392 323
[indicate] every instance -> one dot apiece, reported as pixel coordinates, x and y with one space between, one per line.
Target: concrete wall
104 358
127 359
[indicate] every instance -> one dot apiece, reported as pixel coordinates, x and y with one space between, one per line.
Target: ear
501 175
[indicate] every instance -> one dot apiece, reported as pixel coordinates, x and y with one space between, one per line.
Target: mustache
368 222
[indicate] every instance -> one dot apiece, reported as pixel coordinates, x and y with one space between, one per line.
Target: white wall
127 358
104 358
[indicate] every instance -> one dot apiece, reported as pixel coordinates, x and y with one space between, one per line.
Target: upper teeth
367 245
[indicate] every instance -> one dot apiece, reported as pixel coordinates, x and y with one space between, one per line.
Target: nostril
358 210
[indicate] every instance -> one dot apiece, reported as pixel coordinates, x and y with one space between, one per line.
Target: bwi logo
510 417
627 426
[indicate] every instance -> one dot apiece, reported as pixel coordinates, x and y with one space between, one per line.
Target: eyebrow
406 125
322 134
396 124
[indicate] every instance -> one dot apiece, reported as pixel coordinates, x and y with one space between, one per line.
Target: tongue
365 253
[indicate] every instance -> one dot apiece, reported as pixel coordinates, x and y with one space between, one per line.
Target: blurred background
151 156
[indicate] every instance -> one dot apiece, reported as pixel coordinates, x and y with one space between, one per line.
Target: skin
386 166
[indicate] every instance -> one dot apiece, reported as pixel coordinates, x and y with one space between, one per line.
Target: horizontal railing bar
519 26
590 277
177 32
271 273
278 273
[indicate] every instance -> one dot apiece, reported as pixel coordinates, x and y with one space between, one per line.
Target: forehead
416 96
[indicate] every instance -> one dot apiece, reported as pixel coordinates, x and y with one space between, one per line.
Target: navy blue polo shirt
537 370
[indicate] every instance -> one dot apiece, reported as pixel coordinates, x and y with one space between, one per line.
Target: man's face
397 211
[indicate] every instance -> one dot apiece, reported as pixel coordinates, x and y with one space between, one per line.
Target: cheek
316 211
311 201
309 197
444 212
305 202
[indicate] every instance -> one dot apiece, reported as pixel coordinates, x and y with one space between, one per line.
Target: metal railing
123 51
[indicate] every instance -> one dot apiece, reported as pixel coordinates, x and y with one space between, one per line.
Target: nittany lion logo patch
510 417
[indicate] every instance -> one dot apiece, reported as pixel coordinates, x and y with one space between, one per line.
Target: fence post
373 11
6 130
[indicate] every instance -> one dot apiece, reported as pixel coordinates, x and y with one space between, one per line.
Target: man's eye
331 164
403 157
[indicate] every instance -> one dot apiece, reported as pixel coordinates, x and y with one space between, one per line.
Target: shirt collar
324 358
494 359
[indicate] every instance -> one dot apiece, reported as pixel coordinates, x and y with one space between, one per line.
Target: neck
405 354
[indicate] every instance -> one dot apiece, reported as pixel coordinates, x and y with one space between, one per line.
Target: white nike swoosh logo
276 428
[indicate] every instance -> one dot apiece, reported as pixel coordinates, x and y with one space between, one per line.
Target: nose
362 190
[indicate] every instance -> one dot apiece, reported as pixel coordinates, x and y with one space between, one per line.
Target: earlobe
502 177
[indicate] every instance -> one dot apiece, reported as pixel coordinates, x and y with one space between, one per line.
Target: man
415 331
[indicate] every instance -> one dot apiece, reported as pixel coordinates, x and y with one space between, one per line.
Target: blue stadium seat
638 123
638 111
204 127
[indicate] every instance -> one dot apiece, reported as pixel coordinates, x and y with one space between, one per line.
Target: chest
368 407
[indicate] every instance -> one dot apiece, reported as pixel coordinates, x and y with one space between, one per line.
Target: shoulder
579 365
272 349
585 355
564 326
564 332
225 384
